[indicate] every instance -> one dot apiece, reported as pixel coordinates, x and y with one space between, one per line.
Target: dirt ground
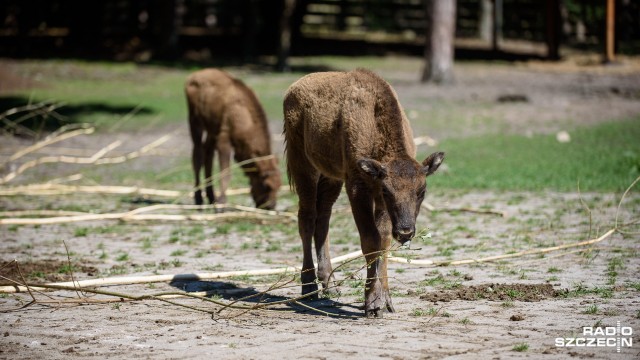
516 307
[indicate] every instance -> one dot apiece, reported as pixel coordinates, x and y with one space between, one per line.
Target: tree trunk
485 28
441 25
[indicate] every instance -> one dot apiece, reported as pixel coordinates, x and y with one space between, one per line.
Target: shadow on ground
230 292
43 120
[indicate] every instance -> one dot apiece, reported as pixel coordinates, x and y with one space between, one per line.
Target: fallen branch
129 280
500 257
135 154
60 159
96 159
60 189
51 140
140 214
430 207
43 109
22 213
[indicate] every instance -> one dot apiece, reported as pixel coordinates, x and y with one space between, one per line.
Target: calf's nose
405 234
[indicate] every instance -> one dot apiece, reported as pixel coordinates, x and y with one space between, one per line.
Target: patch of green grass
122 257
178 252
176 262
274 246
81 231
37 275
421 312
514 294
613 266
66 269
104 93
223 229
553 270
146 243
605 157
581 290
591 309
521 347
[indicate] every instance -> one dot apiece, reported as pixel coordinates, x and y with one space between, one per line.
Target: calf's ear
372 168
432 162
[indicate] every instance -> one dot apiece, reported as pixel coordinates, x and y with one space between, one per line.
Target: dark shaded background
211 30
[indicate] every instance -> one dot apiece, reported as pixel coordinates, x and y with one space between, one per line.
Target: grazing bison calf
228 113
349 128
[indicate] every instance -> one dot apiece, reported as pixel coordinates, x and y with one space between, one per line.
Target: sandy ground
515 308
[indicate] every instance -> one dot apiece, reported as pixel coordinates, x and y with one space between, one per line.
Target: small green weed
122 257
81 231
521 347
178 252
591 309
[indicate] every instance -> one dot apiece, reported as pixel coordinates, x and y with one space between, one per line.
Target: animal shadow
231 292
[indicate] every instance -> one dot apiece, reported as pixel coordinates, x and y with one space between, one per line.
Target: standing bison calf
228 113
349 128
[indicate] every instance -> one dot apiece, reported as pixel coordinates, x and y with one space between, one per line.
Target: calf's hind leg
327 193
305 177
196 155
209 148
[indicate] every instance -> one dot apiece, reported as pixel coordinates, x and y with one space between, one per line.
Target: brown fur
229 115
349 128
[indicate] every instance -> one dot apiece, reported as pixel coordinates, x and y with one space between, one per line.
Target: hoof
330 292
390 308
310 289
373 313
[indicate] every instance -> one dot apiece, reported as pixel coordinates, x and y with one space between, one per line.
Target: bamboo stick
63 159
430 207
503 256
61 189
135 154
128 280
97 158
18 213
49 141
139 215
289 269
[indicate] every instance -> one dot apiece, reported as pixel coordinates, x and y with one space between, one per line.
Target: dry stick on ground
139 215
289 269
51 140
60 159
622 199
546 258
504 256
60 189
464 209
97 158
23 213
43 108
134 154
